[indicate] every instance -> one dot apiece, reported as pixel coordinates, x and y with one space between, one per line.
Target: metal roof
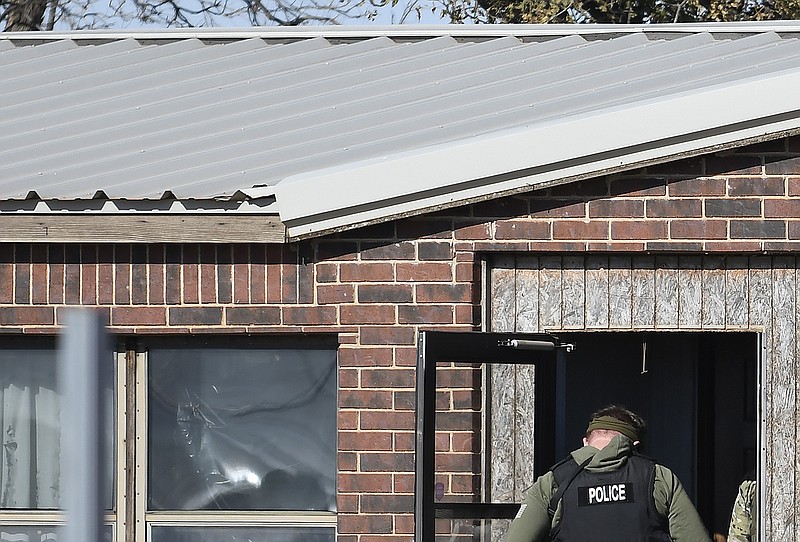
333 127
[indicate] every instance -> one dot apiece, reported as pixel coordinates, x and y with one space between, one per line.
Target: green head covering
613 424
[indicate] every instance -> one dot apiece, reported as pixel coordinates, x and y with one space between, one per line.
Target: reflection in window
30 412
241 429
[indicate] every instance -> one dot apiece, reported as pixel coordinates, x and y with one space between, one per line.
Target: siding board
736 289
620 292
597 292
713 293
666 284
690 298
643 292
527 296
550 293
574 292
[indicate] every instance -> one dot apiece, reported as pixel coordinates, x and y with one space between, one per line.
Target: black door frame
542 350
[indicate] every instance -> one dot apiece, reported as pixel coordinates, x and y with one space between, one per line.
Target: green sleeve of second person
672 501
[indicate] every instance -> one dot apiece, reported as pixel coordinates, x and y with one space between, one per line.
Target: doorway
697 391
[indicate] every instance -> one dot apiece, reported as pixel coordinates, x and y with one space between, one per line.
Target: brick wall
377 286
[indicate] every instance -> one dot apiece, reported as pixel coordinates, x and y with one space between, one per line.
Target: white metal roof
334 127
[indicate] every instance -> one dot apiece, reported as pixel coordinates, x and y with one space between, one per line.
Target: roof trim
150 228
538 156
408 32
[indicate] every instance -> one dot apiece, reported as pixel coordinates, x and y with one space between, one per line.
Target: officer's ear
585 442
636 442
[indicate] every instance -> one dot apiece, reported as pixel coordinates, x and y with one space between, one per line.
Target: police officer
744 518
605 492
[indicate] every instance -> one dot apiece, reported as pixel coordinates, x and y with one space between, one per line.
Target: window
218 438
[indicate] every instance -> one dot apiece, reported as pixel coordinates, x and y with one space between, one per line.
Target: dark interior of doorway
697 391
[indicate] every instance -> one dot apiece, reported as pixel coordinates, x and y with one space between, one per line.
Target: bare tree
22 15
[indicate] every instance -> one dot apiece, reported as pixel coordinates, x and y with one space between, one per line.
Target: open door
445 350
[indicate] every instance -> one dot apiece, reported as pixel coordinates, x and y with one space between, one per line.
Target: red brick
501 208
347 419
698 229
365 440
195 316
732 246
580 229
468 314
365 483
366 272
365 357
453 462
467 399
616 208
434 250
404 442
639 229
387 462
387 503
72 275
346 504
335 293
785 166
405 357
686 166
273 273
793 186
444 293
556 246
348 378
759 186
522 229
458 377
425 314
467 484
385 293
403 524
361 523
367 314
466 442
55 255
732 164
698 187
241 274
385 335
387 378
403 483
425 272
392 251
39 275
374 399
457 421
327 272
253 315
673 246
289 276
309 315
783 208
387 420
674 208
133 316
472 231
615 246
26 316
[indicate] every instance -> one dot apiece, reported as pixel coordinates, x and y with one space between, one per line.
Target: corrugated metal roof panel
204 117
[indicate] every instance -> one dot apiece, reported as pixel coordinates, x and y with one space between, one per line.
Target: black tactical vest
609 507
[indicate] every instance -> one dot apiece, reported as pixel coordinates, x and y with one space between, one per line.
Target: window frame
130 520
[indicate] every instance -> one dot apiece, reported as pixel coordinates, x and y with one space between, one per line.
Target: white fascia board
406 183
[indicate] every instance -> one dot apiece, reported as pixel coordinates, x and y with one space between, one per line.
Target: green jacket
533 525
744 518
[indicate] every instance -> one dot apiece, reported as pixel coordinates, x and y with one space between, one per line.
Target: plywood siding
647 293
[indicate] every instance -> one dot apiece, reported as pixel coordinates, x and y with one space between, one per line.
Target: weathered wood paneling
689 293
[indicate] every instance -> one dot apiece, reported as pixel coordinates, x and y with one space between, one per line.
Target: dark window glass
31 473
241 428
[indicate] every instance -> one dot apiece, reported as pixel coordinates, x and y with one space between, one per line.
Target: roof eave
540 156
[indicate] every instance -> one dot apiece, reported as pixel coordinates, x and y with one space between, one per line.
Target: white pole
83 359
